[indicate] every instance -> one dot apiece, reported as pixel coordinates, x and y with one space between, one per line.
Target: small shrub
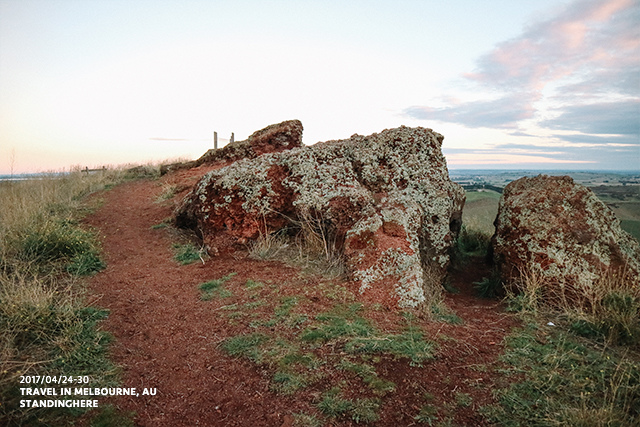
463 400
427 415
489 287
187 254
86 263
470 243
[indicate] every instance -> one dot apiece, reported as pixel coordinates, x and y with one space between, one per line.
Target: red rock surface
385 198
562 230
272 139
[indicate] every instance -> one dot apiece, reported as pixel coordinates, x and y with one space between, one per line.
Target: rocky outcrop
386 199
272 139
561 230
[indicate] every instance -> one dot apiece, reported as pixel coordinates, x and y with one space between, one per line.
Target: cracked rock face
386 197
561 229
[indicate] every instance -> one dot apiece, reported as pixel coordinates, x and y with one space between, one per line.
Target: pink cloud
562 46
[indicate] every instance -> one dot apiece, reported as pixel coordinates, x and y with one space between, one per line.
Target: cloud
603 153
500 113
616 118
588 36
585 60
600 141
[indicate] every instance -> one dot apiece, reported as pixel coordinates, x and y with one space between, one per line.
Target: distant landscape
619 190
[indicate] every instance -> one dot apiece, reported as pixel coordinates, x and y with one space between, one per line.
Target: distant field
481 208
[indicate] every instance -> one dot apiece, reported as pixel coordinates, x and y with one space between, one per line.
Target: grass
576 361
632 227
608 308
188 253
308 245
489 287
359 410
46 326
300 352
215 288
560 379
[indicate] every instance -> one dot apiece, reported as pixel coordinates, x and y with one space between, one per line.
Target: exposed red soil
167 338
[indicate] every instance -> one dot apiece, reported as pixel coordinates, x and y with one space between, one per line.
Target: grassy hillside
47 328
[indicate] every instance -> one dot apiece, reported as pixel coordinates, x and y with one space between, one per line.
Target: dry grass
608 306
46 326
309 245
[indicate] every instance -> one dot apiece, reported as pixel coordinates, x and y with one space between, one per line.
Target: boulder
562 231
386 199
272 139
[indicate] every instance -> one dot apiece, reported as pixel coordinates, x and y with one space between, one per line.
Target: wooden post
215 140
231 141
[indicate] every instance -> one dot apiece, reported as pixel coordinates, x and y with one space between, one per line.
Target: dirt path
167 338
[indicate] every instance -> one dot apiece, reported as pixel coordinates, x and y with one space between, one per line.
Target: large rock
561 230
272 139
386 198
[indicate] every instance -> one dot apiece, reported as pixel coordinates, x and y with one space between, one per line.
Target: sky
511 84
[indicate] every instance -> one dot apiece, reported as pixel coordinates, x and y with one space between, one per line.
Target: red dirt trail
166 338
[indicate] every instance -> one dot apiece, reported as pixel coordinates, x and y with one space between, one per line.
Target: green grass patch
410 344
246 346
46 327
428 414
342 321
489 287
110 416
368 374
442 313
470 243
562 380
215 288
253 285
334 405
61 242
632 227
187 253
306 420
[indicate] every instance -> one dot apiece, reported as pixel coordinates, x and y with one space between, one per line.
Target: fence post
215 140
231 141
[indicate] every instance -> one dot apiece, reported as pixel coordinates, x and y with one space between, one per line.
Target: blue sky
511 84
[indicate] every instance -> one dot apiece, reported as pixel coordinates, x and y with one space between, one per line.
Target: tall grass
46 326
607 307
309 244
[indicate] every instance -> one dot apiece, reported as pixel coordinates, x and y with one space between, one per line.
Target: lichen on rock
386 198
561 230
272 139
